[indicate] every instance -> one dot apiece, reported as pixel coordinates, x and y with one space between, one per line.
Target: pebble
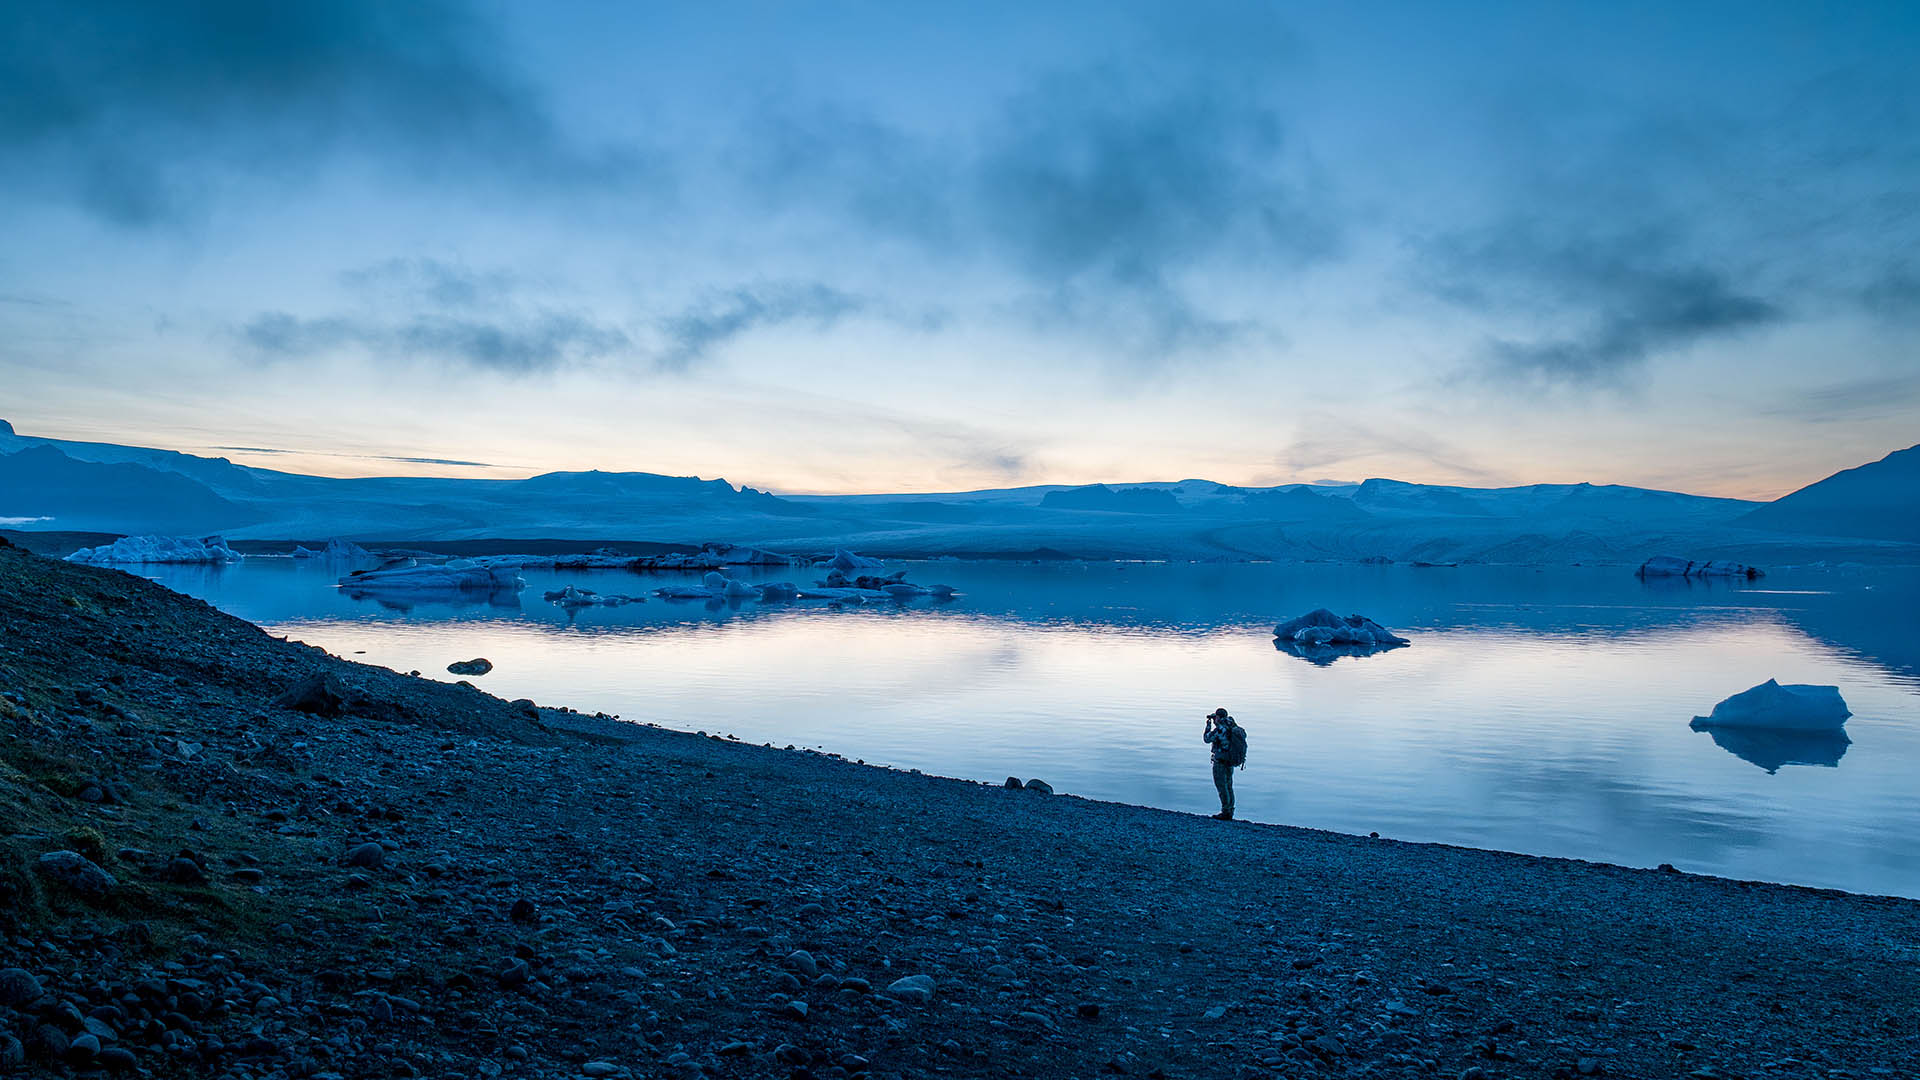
370 856
803 962
599 1068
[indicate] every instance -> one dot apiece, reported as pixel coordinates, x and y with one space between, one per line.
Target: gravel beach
229 855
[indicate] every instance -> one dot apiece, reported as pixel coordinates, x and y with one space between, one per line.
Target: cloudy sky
863 247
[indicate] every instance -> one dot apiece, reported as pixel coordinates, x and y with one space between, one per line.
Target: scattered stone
523 911
1040 786
1013 784
479 665
803 962
599 1068
367 856
914 989
184 871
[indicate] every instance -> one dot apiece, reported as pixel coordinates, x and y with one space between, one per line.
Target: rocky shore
229 855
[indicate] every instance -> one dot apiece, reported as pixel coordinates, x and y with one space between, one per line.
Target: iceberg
211 550
1770 706
1674 566
845 561
337 550
573 597
1321 628
454 577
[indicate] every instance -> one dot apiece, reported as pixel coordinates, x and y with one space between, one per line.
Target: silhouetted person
1229 742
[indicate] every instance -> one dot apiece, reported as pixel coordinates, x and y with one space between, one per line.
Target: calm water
1537 711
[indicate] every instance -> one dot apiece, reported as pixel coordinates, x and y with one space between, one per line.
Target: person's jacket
1217 736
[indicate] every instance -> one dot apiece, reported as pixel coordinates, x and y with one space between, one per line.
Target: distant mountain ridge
106 487
1879 500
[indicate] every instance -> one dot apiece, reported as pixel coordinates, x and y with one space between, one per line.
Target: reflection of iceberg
1322 655
1794 707
1772 749
1322 637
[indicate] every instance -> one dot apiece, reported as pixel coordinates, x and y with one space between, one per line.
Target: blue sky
847 247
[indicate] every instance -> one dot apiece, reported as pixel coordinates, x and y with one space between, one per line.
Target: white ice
337 550
1322 628
1793 707
459 576
158 549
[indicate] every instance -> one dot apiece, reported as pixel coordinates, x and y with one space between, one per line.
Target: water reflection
1774 750
1535 711
1323 655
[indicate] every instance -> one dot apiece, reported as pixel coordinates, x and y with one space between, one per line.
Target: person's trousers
1223 783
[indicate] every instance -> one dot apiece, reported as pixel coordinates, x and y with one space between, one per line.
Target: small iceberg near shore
133 550
1772 707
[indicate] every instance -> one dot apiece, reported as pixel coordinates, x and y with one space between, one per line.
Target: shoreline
550 894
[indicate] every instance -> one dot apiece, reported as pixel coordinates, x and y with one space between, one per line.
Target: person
1229 742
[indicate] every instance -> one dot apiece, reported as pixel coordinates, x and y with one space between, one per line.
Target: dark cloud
693 334
1100 190
516 346
1624 296
138 111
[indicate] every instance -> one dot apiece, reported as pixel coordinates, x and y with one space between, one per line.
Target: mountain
111 488
40 482
1878 501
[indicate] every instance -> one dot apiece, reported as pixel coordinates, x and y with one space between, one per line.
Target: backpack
1236 746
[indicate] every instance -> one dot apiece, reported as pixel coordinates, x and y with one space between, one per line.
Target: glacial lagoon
1541 710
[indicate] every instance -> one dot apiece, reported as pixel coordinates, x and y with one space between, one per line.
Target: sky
842 247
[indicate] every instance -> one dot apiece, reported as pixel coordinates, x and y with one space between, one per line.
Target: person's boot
1224 815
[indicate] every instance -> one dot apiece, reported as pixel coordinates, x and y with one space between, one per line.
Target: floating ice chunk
779 590
1674 566
210 550
1793 707
1322 629
337 550
454 577
573 597
847 561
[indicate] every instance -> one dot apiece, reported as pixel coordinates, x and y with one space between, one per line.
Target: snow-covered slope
1879 500
1188 519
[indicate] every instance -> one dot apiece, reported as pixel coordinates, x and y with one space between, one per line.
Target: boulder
1040 786
479 665
76 873
319 694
